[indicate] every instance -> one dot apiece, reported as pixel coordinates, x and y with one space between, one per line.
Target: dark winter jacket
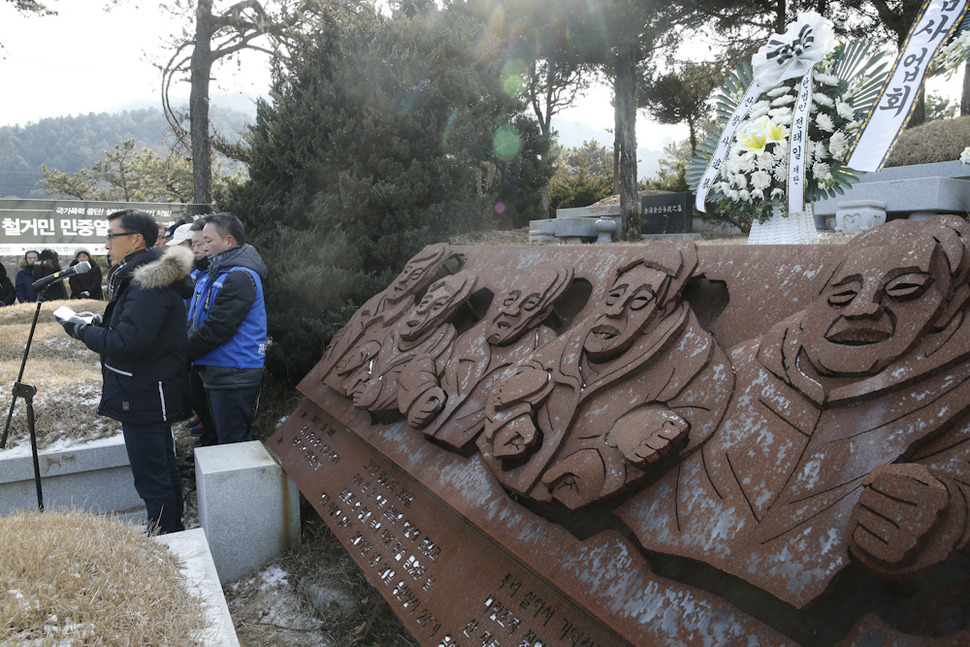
8 294
89 282
142 337
25 282
227 314
55 290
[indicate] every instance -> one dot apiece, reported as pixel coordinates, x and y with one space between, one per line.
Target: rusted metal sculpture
656 445
839 435
637 379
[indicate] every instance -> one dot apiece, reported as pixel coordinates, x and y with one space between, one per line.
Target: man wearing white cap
182 236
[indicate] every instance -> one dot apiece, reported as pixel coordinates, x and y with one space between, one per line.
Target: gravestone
667 213
663 444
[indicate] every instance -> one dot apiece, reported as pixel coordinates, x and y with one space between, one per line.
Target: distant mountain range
571 134
72 143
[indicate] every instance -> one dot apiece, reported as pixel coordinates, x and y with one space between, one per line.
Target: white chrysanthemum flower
844 110
827 79
780 115
757 194
820 152
764 161
838 144
777 91
784 100
745 195
821 171
747 164
760 180
822 100
965 156
809 150
825 123
758 110
777 194
780 173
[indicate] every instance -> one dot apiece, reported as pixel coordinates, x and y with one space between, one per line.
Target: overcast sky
85 60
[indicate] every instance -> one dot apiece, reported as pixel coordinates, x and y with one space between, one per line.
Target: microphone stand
27 392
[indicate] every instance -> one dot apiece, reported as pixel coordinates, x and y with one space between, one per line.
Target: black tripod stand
27 392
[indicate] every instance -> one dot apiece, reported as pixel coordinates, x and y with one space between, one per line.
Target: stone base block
94 477
857 216
249 508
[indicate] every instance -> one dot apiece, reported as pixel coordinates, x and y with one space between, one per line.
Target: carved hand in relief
893 523
648 434
515 438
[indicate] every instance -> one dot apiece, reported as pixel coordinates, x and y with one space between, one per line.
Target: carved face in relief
436 306
525 307
416 273
875 308
629 308
361 384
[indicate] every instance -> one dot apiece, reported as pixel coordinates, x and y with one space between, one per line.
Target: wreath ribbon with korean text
935 24
785 56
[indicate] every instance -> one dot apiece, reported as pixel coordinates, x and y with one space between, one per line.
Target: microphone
80 268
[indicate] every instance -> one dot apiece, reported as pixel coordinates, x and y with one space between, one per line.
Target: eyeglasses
124 233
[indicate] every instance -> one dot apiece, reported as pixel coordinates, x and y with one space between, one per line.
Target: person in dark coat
142 344
47 265
227 326
25 277
87 285
8 294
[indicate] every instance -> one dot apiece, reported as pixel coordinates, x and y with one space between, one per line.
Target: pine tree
376 144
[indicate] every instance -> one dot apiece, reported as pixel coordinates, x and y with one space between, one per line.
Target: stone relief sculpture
847 437
381 311
571 393
451 410
422 339
583 418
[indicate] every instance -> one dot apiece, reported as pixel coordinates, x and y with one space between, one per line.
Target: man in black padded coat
142 344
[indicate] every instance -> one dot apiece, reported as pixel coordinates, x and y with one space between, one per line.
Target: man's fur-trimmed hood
174 265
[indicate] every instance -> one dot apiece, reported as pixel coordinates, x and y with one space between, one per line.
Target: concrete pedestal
249 509
94 477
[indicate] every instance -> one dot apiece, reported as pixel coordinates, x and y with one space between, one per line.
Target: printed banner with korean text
67 225
934 24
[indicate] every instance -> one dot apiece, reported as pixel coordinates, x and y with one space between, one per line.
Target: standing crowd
184 330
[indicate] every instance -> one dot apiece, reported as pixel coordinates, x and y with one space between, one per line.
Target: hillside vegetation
70 144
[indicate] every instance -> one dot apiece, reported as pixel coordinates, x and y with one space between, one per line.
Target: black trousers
200 404
151 452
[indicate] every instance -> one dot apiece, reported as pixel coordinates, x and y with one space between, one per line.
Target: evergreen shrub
377 141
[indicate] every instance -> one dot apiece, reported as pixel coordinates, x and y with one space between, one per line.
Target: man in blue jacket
227 326
141 340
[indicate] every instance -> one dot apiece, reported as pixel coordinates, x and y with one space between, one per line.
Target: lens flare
506 143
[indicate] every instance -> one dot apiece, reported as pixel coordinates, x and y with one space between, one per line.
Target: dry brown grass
938 141
66 374
68 578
